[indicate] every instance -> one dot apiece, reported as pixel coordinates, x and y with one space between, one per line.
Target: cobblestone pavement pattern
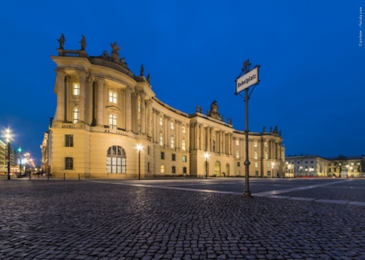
89 220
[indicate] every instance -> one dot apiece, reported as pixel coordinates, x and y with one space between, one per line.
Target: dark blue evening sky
312 68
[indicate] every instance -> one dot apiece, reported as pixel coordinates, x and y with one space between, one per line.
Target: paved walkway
182 219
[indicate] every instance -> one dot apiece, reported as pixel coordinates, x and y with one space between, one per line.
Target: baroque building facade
104 111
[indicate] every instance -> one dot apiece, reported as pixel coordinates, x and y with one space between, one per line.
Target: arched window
116 160
217 168
112 121
75 117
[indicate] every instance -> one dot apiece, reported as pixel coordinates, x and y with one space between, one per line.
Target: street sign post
244 81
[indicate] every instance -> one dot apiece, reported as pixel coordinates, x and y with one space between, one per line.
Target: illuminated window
69 163
266 155
256 165
76 89
161 120
172 142
112 96
116 160
113 121
255 144
69 140
75 115
162 168
185 158
161 139
266 145
183 130
172 125
237 142
183 144
255 155
237 154
139 114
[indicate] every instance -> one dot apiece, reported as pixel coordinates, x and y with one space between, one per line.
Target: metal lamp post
139 148
206 156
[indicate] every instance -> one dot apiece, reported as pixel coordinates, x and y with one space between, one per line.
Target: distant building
316 166
3 156
104 111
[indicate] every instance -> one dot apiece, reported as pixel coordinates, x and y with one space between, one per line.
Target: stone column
59 90
149 117
128 109
100 111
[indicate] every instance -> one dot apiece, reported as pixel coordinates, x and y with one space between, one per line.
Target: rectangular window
69 140
162 155
238 164
113 97
148 167
148 149
161 121
161 139
173 157
173 169
255 144
69 163
172 125
172 142
183 145
76 89
183 129
256 165
185 158
184 169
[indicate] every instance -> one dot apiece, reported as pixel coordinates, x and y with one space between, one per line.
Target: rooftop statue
141 71
149 78
213 112
83 42
115 50
61 40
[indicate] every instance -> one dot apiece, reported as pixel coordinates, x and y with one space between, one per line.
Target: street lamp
139 148
206 156
8 137
20 160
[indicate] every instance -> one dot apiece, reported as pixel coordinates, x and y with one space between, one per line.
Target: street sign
247 80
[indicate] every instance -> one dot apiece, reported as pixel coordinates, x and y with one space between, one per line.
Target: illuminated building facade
104 111
316 166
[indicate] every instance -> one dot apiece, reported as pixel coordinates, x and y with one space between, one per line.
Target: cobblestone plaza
182 219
